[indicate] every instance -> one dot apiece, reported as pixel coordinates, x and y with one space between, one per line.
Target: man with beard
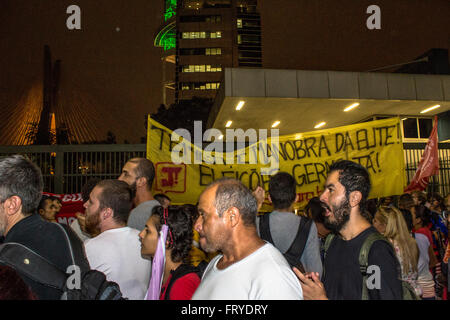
116 250
139 174
248 268
20 192
344 199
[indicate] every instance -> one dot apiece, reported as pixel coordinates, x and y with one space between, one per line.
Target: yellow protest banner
184 169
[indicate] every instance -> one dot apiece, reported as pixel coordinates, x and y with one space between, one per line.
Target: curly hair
180 222
315 210
12 287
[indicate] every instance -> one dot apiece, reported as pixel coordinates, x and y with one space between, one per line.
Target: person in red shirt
180 280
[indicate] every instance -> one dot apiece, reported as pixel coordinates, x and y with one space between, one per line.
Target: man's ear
13 205
142 181
232 216
106 213
355 198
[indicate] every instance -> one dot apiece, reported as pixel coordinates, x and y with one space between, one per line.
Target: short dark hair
439 198
21 177
42 202
406 201
88 187
232 193
282 190
160 197
354 177
408 218
116 194
54 198
423 213
180 222
420 196
144 169
315 210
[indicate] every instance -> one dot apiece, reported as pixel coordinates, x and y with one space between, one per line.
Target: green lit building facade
202 37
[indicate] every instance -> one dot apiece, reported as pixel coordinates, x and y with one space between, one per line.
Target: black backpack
363 259
93 283
295 251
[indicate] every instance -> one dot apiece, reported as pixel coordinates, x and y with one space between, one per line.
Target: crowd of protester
222 247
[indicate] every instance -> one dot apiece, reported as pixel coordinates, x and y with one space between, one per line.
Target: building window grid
213 19
201 68
200 85
213 51
201 35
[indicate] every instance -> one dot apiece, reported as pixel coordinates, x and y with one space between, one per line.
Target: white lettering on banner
213 153
65 220
75 197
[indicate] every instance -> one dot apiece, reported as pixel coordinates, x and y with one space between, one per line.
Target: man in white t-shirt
116 250
248 268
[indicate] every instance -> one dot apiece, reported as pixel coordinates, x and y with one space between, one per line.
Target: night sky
111 72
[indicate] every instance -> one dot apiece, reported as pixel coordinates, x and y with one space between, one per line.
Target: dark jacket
47 240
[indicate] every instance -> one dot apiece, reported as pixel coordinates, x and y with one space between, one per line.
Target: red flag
71 204
429 163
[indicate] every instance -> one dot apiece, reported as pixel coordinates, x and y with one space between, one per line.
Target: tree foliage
184 113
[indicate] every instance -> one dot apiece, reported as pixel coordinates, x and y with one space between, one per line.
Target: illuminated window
203 35
219 34
213 51
213 35
185 35
239 39
208 86
239 23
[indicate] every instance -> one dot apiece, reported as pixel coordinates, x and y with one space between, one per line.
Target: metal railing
66 168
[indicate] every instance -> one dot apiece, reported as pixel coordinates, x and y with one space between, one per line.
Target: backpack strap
264 228
297 247
181 271
76 248
30 264
326 246
327 243
364 259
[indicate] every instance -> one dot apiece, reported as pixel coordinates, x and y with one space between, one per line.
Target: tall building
202 37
